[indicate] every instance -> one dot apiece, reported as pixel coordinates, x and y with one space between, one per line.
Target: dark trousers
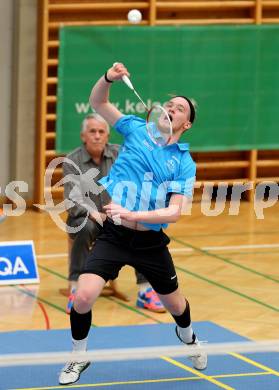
82 244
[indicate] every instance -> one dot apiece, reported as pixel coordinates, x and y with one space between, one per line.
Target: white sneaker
71 372
198 357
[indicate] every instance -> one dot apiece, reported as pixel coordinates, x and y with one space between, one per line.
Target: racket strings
159 126
158 123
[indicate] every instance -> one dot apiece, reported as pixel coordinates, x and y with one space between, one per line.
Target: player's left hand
115 210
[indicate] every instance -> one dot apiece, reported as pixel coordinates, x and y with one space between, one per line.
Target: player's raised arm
99 97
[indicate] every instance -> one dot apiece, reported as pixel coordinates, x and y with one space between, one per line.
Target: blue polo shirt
145 175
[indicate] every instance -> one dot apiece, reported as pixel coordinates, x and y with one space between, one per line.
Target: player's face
179 111
95 136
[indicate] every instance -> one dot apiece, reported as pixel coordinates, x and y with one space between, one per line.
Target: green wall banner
230 71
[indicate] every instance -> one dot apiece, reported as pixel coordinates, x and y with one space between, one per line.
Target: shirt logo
170 165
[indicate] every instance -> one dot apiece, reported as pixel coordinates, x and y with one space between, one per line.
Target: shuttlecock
134 16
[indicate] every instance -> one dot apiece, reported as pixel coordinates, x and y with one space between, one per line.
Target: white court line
220 248
52 255
223 248
177 250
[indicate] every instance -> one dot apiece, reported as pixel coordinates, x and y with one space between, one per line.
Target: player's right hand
117 71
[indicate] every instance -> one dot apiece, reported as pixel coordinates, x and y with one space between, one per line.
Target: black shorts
146 251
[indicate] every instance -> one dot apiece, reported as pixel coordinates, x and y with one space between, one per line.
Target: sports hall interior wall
250 165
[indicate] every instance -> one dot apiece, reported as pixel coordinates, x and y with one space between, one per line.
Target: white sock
186 334
80 345
144 286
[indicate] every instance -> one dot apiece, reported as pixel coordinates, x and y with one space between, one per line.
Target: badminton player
148 185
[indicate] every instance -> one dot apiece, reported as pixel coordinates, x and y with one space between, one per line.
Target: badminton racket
158 121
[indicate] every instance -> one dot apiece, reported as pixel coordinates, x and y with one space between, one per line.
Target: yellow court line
190 378
198 373
243 374
256 364
112 383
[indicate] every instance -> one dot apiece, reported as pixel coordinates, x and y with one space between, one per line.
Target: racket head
158 125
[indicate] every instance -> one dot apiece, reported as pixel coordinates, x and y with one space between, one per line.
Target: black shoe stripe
193 339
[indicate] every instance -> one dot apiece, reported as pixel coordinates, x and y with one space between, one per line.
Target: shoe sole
200 369
197 368
141 306
70 383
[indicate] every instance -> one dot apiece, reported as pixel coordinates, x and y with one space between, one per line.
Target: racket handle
127 81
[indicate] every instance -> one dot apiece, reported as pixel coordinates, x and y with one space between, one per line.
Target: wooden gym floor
228 267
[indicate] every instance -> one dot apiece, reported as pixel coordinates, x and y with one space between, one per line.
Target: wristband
106 78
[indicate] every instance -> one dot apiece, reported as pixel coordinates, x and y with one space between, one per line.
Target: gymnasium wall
18 40
24 91
19 136
6 11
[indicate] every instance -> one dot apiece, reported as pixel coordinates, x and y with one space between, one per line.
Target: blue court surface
257 371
